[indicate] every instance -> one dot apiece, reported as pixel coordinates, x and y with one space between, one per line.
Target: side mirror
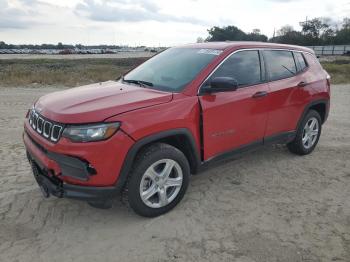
221 84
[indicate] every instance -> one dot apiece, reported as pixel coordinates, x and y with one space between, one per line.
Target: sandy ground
268 206
76 56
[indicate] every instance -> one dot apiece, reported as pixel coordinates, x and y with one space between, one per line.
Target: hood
97 102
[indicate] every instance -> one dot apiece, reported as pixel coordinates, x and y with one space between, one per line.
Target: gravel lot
268 206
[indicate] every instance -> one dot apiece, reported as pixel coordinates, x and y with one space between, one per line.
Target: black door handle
302 84
260 94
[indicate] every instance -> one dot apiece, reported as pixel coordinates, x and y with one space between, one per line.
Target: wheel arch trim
131 155
324 102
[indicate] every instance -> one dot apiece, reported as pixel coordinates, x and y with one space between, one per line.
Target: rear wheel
158 180
307 135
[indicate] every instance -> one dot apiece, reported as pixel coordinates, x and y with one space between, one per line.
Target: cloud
13 17
150 22
128 11
8 23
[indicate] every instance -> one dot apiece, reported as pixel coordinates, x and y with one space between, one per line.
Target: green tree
200 39
256 35
233 33
284 30
346 23
3 45
342 36
290 37
225 33
60 46
318 30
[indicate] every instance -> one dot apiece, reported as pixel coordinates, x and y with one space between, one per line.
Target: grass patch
20 72
339 71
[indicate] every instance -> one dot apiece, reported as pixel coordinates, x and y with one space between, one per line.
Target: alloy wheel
161 183
310 132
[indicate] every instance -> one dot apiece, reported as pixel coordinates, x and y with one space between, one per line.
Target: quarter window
300 61
280 64
312 61
243 66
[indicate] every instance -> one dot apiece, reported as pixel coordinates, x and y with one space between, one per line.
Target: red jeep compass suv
184 108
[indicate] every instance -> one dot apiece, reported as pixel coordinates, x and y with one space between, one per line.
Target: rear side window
244 66
300 60
280 64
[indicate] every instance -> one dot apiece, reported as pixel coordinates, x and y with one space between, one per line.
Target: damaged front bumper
51 185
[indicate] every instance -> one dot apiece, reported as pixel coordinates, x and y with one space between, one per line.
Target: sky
151 22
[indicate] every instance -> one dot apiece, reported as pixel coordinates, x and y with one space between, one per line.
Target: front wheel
307 135
158 180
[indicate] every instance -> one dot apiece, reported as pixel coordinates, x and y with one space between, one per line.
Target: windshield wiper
138 82
290 71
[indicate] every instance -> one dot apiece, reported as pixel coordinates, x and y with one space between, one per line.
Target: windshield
172 69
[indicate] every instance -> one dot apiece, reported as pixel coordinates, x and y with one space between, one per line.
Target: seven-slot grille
46 128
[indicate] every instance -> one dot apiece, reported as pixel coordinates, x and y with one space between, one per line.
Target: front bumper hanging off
52 185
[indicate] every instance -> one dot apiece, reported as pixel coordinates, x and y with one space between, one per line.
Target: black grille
46 128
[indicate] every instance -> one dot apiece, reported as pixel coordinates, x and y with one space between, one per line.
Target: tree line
317 31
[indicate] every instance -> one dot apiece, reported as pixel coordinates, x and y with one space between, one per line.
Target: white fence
331 50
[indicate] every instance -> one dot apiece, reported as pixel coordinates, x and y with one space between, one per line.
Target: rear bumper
51 185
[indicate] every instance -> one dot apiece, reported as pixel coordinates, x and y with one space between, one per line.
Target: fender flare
309 105
130 157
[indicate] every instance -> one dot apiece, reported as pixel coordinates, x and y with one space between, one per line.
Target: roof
244 44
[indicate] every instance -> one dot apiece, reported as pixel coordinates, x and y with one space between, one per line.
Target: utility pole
303 23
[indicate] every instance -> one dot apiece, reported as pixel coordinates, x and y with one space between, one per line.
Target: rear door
235 118
287 94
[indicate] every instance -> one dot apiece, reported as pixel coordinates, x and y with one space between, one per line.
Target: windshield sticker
210 51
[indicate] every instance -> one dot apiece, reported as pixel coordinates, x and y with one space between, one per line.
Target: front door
238 118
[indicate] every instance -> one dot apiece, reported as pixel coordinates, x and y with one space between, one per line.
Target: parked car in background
172 116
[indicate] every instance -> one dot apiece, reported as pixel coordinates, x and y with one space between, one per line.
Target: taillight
328 77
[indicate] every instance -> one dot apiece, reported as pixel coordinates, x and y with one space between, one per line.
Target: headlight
90 133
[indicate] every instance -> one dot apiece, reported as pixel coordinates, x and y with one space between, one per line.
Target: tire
302 147
148 178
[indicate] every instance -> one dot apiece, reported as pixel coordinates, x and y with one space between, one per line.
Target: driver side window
243 66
